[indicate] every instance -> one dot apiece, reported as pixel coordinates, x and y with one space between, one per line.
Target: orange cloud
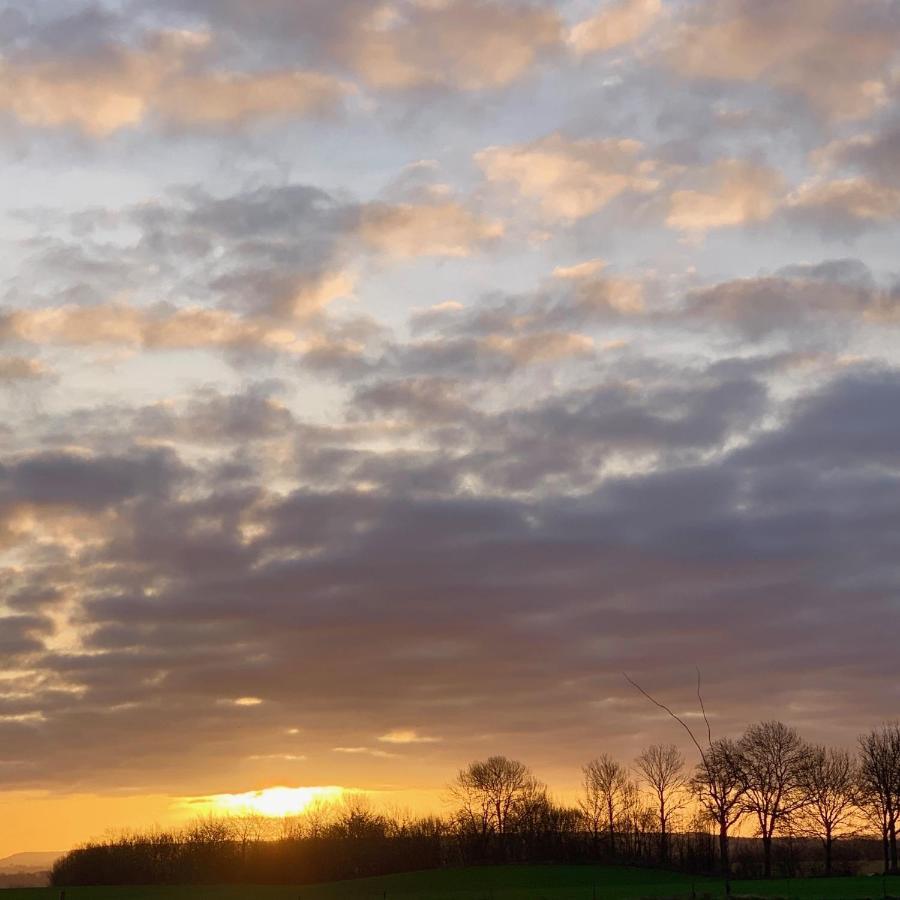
858 198
19 368
813 48
731 192
571 179
125 87
463 44
431 229
407 736
541 347
614 26
160 328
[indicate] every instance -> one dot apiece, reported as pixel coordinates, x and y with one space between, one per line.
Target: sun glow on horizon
276 802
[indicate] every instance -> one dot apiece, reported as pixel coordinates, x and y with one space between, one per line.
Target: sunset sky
380 381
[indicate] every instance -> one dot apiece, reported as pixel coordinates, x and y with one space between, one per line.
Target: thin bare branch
703 709
663 706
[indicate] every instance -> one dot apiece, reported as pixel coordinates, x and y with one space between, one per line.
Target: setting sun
274 801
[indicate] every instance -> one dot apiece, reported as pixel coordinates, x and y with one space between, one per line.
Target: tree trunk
612 830
829 840
723 853
663 839
767 855
892 831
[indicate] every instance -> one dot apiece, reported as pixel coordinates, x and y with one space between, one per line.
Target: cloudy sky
380 381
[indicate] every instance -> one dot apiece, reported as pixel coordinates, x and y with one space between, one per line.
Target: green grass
499 883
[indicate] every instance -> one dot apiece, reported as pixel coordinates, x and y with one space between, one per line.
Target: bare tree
356 818
879 778
490 793
210 829
828 784
772 756
871 805
605 796
717 781
662 769
637 820
718 784
249 827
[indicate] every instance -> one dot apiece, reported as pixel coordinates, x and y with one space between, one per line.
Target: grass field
499 883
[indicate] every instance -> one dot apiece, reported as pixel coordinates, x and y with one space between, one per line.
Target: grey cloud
88 481
335 572
21 635
813 302
850 421
210 417
873 153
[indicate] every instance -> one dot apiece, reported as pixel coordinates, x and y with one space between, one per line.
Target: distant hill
33 861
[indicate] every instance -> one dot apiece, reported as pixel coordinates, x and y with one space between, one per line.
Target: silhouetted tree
716 782
771 759
491 792
662 769
718 785
828 783
879 781
605 796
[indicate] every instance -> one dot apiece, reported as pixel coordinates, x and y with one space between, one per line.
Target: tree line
769 794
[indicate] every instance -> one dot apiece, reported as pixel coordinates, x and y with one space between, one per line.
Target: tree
662 769
717 781
637 820
605 796
828 785
879 781
772 756
491 793
718 784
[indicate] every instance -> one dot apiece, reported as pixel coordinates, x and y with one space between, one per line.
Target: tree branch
677 718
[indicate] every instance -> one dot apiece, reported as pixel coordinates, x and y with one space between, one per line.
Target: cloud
407 736
542 347
571 178
408 230
235 99
730 193
17 369
159 328
615 25
21 636
576 300
87 480
845 205
481 373
817 302
876 154
468 45
847 420
580 271
364 751
165 629
834 56
124 87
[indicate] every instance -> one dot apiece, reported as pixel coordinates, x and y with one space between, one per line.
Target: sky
380 381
